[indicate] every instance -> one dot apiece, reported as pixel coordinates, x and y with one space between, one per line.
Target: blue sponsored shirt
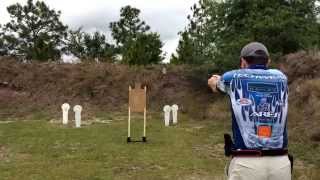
259 104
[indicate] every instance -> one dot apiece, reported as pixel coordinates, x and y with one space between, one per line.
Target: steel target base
143 140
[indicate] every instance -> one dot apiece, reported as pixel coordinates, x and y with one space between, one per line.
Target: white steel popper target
65 110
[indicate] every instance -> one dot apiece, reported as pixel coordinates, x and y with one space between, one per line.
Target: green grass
37 149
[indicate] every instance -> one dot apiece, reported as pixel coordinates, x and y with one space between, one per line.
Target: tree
185 51
221 28
35 31
129 25
194 46
97 47
134 41
75 43
3 50
86 46
144 50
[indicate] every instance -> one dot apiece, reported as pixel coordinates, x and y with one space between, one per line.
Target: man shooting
259 105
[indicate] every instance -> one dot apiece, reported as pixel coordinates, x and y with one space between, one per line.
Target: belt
258 153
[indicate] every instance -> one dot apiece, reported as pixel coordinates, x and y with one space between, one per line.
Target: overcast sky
166 17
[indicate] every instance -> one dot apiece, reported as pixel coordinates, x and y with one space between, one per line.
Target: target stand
137 104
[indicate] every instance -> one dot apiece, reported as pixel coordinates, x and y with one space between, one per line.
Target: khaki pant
260 168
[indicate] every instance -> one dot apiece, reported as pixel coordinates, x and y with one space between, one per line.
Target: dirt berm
303 71
42 87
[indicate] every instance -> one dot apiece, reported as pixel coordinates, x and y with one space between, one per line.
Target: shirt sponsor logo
253 76
264 114
244 102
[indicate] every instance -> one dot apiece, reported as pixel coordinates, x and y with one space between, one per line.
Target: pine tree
137 45
34 32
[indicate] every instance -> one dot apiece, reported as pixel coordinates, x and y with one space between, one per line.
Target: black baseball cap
254 49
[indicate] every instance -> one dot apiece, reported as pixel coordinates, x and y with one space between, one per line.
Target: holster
228 144
290 156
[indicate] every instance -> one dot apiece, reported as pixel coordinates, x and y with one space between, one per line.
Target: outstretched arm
213 82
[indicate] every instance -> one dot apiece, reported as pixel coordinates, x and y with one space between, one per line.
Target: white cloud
166 17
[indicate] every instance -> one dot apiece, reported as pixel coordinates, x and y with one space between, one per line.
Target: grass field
37 149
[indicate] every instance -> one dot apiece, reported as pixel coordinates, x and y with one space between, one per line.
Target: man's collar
257 66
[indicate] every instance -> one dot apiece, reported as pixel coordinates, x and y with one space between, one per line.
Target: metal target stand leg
129 121
144 137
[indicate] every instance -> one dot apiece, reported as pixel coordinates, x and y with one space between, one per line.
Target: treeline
36 32
215 33
218 30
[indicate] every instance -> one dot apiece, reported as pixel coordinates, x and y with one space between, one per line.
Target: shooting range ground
38 149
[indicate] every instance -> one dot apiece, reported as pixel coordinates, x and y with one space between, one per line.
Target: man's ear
269 61
243 63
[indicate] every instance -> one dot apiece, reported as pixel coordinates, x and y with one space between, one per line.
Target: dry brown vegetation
27 88
303 71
